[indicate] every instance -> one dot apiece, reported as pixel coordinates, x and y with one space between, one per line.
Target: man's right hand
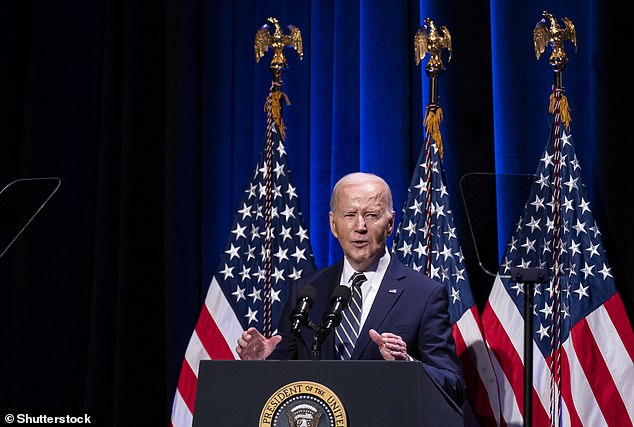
252 345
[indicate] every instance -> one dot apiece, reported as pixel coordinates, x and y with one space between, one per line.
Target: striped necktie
348 331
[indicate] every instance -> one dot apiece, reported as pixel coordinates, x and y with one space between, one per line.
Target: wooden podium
356 393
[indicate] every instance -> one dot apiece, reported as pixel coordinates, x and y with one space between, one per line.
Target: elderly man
395 312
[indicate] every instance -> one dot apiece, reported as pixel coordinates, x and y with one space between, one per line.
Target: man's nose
359 222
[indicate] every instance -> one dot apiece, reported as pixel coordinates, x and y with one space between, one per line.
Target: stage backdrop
151 115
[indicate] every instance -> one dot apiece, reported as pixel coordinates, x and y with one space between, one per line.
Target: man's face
361 223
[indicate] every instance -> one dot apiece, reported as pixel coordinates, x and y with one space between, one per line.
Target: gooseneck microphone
338 301
332 318
305 301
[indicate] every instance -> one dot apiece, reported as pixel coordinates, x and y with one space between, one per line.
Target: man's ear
390 224
333 226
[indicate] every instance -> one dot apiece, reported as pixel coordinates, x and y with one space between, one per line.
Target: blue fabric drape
152 115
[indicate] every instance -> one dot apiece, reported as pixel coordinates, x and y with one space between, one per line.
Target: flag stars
518 287
278 274
446 252
580 227
299 254
279 169
450 233
250 253
245 211
288 212
302 234
296 274
574 248
233 252
547 160
411 227
416 207
542 332
595 230
255 232
291 192
582 291
275 296
439 210
285 233
584 206
565 139
587 270
534 224
421 250
606 272
567 204
239 231
281 254
239 293
252 316
406 248
512 245
280 149
277 192
459 274
455 295
529 245
255 295
565 310
421 186
261 274
547 310
543 181
251 191
245 273
538 203
593 249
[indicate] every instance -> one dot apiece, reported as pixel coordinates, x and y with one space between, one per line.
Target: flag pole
429 40
274 123
547 32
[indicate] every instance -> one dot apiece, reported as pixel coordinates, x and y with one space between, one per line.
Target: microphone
338 301
305 301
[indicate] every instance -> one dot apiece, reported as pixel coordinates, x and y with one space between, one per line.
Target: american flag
426 240
583 345
267 248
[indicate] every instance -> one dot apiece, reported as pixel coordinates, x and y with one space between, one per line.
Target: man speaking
369 305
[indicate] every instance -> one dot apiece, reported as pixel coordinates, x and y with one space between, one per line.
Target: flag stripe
598 375
583 402
181 414
618 319
578 382
472 341
505 336
219 325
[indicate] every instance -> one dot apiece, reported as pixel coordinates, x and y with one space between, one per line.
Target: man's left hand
391 346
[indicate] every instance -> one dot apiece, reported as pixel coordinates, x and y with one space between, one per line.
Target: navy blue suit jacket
408 304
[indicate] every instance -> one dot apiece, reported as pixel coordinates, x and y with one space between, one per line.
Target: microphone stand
320 335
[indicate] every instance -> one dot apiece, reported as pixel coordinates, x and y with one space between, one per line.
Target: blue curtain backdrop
151 114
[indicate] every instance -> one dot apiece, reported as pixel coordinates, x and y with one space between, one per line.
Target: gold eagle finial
428 39
555 36
278 41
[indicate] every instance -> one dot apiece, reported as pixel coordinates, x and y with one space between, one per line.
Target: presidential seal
303 404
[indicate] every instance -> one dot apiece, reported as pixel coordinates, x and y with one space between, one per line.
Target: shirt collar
375 269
